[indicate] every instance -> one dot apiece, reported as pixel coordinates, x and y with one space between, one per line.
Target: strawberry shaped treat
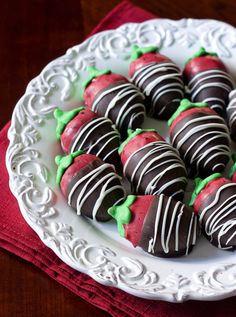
89 185
232 171
159 78
214 201
201 137
152 165
231 114
158 224
83 129
208 80
113 96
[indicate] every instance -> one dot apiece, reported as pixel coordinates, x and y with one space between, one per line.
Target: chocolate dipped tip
131 134
63 162
63 118
200 184
93 73
185 104
199 53
122 213
233 167
139 51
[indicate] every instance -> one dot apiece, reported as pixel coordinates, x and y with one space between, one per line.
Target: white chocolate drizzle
86 131
211 79
219 221
165 229
169 159
196 130
159 86
93 180
128 91
231 109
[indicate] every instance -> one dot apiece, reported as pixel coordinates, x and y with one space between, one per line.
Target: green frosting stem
93 73
131 134
185 104
201 52
233 167
139 51
200 185
122 213
63 117
63 162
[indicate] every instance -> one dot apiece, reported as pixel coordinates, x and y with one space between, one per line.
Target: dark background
32 33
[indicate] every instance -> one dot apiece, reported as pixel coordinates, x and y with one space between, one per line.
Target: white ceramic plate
95 249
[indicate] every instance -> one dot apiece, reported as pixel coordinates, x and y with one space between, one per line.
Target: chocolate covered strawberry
89 185
113 96
201 137
232 171
159 78
214 201
158 224
208 80
83 129
152 165
231 114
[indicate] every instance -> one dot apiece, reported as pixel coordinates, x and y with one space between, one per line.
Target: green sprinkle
131 134
233 167
200 185
139 51
63 117
93 73
201 52
122 214
63 162
185 104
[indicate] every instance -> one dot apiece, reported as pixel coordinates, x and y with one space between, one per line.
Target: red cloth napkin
17 237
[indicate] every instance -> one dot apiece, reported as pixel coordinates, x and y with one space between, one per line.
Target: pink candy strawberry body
208 80
146 59
99 84
214 201
158 224
201 137
113 96
83 129
90 186
160 80
152 165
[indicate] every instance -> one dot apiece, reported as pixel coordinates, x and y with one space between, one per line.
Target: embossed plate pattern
96 249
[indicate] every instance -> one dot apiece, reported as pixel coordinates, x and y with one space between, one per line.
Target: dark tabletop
32 33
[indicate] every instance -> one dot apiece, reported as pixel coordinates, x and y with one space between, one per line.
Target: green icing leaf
201 52
63 118
122 214
63 162
93 73
131 134
233 167
139 51
200 185
185 104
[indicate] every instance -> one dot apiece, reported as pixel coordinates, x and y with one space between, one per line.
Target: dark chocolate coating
231 114
205 139
167 168
211 85
108 201
164 98
218 222
170 228
98 137
124 95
